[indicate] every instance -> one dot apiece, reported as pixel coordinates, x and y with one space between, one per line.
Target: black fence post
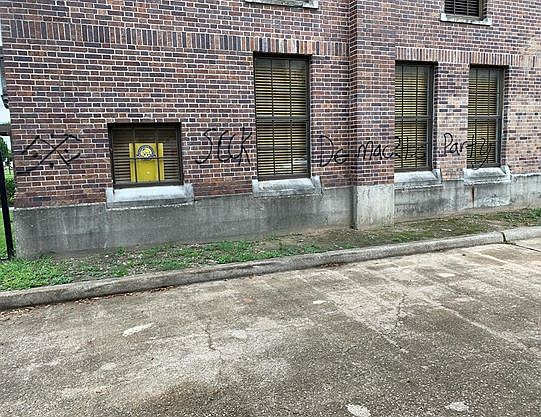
5 210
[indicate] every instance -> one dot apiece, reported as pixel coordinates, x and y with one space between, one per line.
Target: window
145 154
282 121
3 89
4 113
309 4
485 108
413 116
470 8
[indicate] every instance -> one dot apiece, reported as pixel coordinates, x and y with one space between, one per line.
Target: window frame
482 4
178 139
429 144
308 60
307 4
501 71
3 82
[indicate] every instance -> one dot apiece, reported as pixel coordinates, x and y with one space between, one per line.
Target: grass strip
49 270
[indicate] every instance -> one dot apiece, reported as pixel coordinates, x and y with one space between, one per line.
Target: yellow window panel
146 162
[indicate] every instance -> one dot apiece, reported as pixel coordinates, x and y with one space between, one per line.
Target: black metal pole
5 210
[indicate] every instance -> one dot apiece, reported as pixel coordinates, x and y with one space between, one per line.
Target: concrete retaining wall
94 226
456 196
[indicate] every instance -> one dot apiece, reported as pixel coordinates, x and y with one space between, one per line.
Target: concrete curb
87 289
521 233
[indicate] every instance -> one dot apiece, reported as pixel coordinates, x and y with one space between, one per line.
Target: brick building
171 120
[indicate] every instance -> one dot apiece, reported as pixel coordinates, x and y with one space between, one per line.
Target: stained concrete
373 205
149 196
94 226
287 187
480 189
443 334
275 207
451 197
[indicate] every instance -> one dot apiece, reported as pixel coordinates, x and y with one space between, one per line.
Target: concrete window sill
149 196
308 4
487 21
487 175
417 179
285 188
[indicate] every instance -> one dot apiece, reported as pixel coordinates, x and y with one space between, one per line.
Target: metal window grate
472 8
282 117
485 109
413 116
145 154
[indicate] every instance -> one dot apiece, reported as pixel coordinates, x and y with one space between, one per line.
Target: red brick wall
513 41
372 86
74 69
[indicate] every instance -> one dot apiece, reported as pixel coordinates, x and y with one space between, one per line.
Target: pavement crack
398 317
210 340
211 346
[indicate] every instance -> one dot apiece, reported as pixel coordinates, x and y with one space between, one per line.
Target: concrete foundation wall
373 205
94 226
455 196
526 190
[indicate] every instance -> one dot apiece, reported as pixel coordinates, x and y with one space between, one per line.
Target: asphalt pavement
453 333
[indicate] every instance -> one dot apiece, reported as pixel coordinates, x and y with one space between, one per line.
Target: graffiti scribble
223 146
61 150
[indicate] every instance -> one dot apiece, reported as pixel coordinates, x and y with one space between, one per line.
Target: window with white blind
282 117
413 116
145 154
470 8
485 110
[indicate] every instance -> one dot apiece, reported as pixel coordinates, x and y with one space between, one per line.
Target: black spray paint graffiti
484 150
224 146
61 149
340 156
370 150
222 142
366 151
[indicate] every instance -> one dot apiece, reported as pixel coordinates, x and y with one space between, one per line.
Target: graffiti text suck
61 149
222 143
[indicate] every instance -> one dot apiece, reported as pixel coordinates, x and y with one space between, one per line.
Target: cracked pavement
443 334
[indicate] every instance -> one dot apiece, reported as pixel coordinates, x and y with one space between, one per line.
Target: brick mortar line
453 56
118 36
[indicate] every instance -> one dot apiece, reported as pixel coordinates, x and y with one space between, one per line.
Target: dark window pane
484 117
413 116
281 89
473 8
145 154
